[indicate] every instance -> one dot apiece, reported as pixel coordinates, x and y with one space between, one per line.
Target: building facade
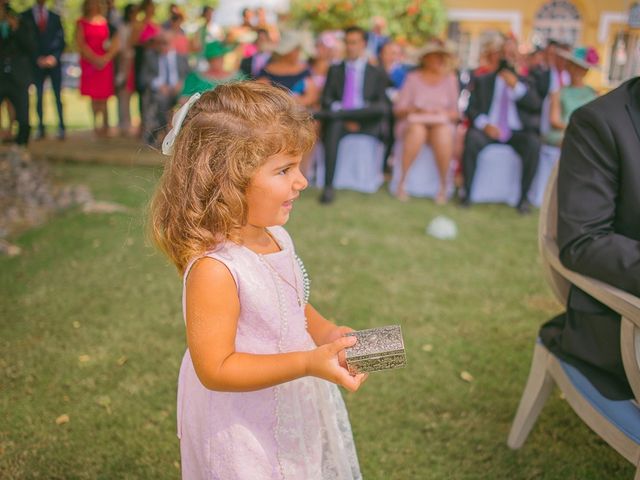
607 25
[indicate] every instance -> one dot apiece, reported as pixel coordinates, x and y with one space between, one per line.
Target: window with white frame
624 58
558 20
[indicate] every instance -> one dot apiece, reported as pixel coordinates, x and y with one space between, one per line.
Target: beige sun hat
289 41
436 46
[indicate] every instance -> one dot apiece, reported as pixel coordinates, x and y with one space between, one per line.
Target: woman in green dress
214 75
573 96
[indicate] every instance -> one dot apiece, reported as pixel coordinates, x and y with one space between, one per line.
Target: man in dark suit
503 108
17 45
49 36
550 77
599 232
353 101
251 66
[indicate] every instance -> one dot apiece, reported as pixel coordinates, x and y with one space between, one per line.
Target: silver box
377 349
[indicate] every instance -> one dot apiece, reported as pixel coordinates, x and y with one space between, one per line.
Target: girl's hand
322 362
336 333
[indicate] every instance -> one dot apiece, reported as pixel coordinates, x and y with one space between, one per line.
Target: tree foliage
411 20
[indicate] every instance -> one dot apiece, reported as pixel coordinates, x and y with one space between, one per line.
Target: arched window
558 20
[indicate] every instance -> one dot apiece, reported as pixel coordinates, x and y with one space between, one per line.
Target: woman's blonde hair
228 133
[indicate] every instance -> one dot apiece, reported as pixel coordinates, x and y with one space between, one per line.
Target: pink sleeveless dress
97 83
295 430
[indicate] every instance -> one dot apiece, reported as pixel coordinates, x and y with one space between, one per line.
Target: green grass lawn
92 328
76 108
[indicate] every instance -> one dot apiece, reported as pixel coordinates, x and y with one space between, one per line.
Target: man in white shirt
503 108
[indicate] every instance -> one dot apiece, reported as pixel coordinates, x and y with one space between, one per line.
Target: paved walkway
84 147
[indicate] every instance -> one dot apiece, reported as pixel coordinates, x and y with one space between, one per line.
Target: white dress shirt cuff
481 121
517 92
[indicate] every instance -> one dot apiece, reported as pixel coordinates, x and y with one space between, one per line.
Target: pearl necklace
295 278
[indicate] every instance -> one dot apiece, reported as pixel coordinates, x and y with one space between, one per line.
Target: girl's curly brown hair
228 133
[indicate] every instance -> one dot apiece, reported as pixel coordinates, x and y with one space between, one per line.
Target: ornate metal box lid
377 349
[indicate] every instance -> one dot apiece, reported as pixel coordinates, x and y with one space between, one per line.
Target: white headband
176 123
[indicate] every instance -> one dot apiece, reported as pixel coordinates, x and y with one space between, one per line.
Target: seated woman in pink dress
427 109
96 61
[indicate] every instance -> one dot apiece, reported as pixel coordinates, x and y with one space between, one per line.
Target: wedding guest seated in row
571 97
549 78
599 232
504 109
215 74
491 52
252 66
288 70
390 60
427 110
326 54
353 101
162 76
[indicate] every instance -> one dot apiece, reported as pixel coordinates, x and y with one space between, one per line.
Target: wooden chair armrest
626 304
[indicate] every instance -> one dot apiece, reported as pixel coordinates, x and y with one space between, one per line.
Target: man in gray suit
162 77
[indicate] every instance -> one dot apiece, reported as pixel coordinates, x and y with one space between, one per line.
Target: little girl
256 396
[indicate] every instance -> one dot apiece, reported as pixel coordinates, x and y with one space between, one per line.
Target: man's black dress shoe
328 195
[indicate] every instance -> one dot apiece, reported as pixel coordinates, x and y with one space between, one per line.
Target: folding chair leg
539 386
637 475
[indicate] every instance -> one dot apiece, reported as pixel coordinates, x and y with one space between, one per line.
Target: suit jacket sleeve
149 68
475 106
25 37
58 42
183 66
330 91
587 189
245 66
379 103
531 100
540 80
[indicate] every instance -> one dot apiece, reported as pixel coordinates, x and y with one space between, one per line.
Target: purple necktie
259 61
503 116
349 94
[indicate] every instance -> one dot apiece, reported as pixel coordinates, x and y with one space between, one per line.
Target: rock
28 196
9 249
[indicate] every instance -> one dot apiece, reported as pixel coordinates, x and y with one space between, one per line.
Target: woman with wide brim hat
288 70
569 98
215 74
427 110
